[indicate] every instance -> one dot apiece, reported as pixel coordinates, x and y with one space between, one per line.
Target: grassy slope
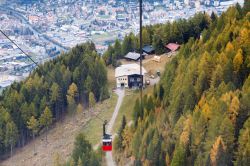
60 138
128 106
93 130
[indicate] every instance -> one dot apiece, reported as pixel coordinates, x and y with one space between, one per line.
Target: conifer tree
145 37
88 84
46 120
11 135
56 98
217 153
227 134
119 139
33 125
238 61
158 45
72 96
92 100
243 153
117 49
179 157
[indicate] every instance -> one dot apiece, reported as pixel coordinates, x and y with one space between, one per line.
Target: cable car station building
128 76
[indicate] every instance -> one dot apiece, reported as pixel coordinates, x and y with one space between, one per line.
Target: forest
197 115
74 80
199 112
158 36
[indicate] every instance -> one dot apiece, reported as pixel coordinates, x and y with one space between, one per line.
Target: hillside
199 113
61 138
54 89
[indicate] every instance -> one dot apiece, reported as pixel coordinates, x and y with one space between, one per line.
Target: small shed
148 49
172 47
132 56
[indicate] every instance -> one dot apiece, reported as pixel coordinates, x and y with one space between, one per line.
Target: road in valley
19 16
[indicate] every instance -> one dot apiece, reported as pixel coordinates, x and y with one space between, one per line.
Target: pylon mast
141 85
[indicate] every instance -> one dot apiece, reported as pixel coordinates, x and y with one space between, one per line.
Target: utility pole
141 86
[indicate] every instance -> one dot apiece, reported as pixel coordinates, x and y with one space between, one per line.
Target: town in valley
44 29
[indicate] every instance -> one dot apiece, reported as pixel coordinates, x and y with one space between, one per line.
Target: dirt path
120 93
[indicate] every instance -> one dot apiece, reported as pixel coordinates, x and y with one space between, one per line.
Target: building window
138 79
131 79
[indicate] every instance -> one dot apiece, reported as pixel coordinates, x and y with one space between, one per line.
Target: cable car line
107 139
12 41
19 48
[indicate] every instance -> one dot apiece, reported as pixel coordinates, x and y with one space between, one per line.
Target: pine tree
120 133
243 153
73 91
82 153
158 45
217 77
234 109
117 49
185 135
55 97
26 112
238 61
127 139
136 111
246 7
201 84
213 17
92 100
179 158
72 96
46 120
127 45
88 84
136 143
33 125
54 92
11 135
145 37
217 153
227 134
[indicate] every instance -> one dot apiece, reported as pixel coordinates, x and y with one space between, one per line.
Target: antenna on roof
141 85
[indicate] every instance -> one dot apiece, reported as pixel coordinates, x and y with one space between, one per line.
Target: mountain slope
52 90
199 113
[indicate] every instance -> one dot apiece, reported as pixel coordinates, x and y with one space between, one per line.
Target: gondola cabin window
107 144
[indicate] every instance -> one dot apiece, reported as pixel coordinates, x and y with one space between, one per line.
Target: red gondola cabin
106 140
107 143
